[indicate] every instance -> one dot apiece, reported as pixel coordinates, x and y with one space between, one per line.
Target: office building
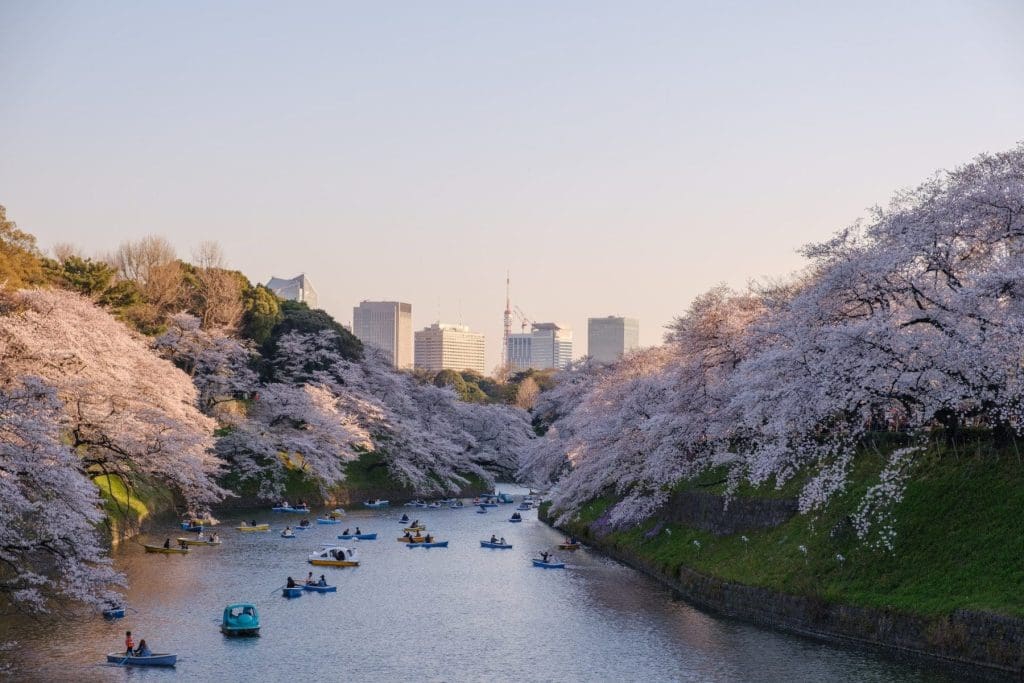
449 347
546 345
298 288
387 326
609 338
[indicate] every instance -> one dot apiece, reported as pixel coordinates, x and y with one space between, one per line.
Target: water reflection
464 613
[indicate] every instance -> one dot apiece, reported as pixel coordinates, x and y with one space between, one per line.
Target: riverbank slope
951 590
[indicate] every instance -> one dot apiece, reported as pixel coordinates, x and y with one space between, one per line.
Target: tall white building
449 347
386 325
298 288
546 345
608 338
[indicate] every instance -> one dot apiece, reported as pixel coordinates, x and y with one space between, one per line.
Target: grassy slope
125 512
960 541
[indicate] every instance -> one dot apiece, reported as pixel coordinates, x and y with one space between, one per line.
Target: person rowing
429 539
167 544
494 539
358 532
322 581
310 580
405 518
304 522
345 532
290 583
544 557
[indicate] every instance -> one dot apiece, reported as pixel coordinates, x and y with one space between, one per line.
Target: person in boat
322 581
304 522
182 545
573 540
290 583
215 538
358 532
310 580
430 539
415 523
502 540
494 539
167 543
129 643
199 536
544 557
345 532
287 529
143 650
252 523
405 518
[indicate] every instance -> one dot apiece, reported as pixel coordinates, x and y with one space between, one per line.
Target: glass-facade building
608 338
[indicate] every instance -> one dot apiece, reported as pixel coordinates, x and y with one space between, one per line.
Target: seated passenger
143 650
291 583
322 581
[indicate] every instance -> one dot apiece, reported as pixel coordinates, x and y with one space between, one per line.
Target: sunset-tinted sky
618 158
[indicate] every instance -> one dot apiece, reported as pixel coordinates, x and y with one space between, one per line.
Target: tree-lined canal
462 613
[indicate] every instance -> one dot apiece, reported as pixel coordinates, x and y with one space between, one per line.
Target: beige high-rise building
449 347
386 325
609 338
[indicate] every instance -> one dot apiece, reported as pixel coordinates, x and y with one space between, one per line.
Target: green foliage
470 393
262 313
959 540
298 317
82 275
20 263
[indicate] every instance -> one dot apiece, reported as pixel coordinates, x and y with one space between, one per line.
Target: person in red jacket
129 643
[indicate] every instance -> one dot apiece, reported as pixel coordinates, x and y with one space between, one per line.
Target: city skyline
644 155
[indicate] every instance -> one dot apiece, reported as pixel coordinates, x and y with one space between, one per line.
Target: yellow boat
193 541
166 551
415 528
334 556
414 539
258 527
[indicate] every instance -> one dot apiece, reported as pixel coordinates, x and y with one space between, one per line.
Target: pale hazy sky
618 158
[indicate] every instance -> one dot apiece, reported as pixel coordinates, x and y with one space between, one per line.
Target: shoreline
984 646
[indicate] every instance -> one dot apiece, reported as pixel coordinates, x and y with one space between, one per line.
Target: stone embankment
975 644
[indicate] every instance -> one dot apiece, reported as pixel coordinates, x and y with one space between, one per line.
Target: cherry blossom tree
49 543
125 410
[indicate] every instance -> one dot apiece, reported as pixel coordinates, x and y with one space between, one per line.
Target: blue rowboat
481 511
548 565
361 537
289 508
114 613
291 592
287 535
321 520
433 544
524 507
191 527
376 503
456 506
488 544
489 505
514 520
300 527
240 619
151 660
320 589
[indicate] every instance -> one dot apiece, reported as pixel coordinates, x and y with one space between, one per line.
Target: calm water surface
464 613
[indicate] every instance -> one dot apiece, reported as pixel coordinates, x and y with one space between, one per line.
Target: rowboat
291 592
320 589
548 565
361 537
481 511
410 529
114 613
376 503
154 659
456 505
334 556
524 507
194 541
165 551
188 526
434 506
289 508
488 544
327 520
258 527
515 520
240 619
287 534
299 527
424 544
569 546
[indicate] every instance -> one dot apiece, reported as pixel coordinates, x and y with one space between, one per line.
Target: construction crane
526 322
